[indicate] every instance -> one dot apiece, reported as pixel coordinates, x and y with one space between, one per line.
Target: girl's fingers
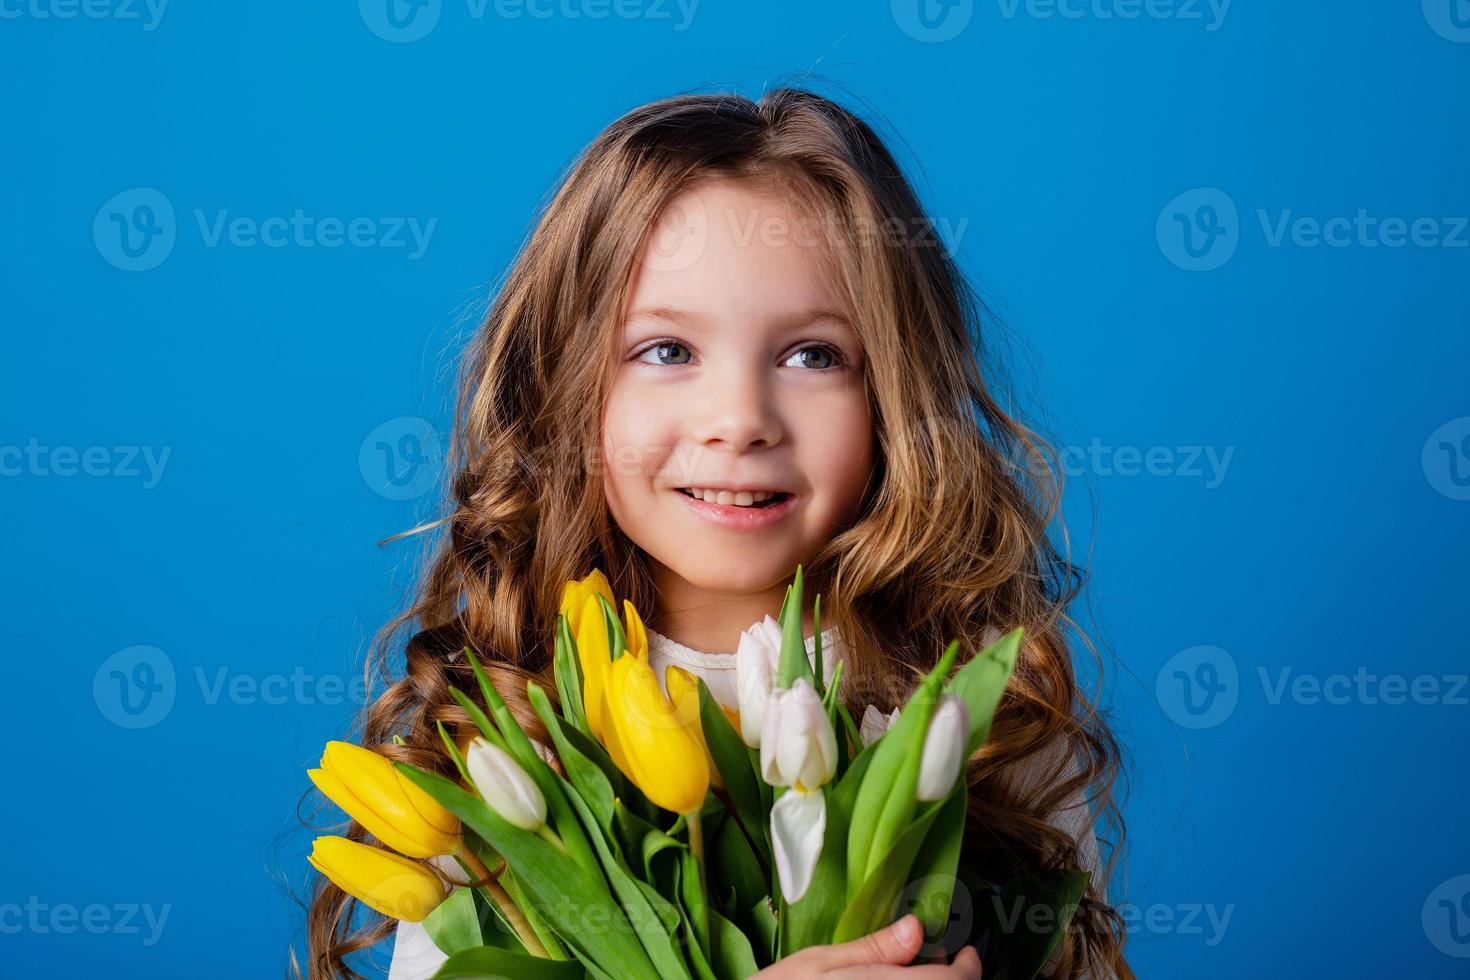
966 966
895 944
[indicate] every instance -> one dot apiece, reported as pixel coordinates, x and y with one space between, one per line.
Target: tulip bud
874 724
944 748
391 808
798 747
382 880
504 785
756 660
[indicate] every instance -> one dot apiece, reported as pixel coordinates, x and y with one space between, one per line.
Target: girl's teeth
743 498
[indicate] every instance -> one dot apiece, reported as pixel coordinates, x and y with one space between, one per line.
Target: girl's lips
739 518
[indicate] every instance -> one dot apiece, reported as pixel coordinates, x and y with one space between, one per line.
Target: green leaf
566 894
871 907
567 667
487 961
730 952
1017 949
982 681
885 803
734 866
937 864
733 758
483 723
794 662
453 750
455 923
520 747
586 777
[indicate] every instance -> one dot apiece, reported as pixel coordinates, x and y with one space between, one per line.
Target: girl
731 345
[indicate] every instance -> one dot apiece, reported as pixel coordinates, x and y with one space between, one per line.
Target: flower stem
503 901
549 835
696 847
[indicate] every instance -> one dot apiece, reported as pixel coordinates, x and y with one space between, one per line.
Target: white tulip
874 724
798 824
505 786
798 746
944 748
757 660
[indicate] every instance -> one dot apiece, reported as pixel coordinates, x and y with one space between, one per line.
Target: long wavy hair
954 536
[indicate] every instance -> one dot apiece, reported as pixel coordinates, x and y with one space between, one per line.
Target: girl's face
736 375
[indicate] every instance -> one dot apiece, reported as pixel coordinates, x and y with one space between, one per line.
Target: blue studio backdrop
244 243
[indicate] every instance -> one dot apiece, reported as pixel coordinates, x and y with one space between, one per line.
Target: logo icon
678 236
400 458
925 893
400 21
134 688
1446 459
1446 917
932 21
1450 19
135 230
1199 230
1198 687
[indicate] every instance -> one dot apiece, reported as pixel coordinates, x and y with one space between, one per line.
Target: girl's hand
877 955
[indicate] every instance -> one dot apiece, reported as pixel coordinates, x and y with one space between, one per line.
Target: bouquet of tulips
674 840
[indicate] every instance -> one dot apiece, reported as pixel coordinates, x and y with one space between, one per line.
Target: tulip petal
798 823
637 632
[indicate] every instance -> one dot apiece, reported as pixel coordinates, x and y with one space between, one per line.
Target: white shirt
415 957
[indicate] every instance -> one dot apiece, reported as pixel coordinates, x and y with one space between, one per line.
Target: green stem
696 847
549 835
492 890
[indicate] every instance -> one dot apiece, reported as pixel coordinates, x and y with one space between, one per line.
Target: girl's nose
735 411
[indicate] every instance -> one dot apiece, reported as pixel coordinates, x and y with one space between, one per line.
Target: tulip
394 810
798 750
945 741
504 785
594 650
798 747
874 724
757 659
657 743
382 880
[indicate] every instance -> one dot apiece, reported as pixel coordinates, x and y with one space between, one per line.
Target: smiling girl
730 347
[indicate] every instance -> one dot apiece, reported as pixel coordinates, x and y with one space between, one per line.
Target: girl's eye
818 357
661 351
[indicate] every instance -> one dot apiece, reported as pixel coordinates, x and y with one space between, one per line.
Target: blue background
1334 541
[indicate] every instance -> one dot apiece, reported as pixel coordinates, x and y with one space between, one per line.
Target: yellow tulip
660 741
574 596
684 690
388 882
394 810
582 603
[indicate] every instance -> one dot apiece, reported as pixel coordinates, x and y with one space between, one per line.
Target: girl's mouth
740 511
758 499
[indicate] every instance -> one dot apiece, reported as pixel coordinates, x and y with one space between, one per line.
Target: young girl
731 345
